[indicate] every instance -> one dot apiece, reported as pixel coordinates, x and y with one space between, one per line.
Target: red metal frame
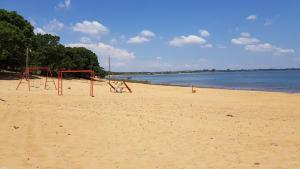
26 76
60 76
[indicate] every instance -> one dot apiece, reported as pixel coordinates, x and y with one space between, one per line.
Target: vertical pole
28 79
52 78
21 80
26 57
27 73
92 81
108 68
61 83
92 84
58 85
27 70
46 79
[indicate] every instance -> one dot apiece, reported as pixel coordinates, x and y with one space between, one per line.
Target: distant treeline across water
264 80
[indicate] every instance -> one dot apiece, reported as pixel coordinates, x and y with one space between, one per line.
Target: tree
46 50
15 37
16 34
82 58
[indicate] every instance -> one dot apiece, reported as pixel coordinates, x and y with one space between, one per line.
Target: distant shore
199 71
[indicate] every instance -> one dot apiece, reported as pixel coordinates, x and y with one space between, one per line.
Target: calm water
283 81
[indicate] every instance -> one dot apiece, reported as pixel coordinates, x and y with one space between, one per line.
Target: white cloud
187 65
158 58
54 25
282 51
253 45
64 5
220 46
138 40
147 33
266 47
90 27
245 34
39 31
187 40
144 36
251 17
268 22
207 45
85 40
244 41
102 49
118 39
113 41
50 28
150 65
32 22
204 33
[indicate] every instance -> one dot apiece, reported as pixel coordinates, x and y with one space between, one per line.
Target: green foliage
45 51
16 34
17 20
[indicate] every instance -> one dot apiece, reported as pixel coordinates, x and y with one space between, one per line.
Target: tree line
17 35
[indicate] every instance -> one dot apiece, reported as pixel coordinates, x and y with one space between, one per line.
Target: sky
171 35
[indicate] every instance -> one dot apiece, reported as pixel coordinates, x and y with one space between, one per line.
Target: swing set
28 69
26 76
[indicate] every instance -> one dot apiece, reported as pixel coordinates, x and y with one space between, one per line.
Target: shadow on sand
5 75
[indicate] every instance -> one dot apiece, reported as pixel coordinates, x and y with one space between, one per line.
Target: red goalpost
60 76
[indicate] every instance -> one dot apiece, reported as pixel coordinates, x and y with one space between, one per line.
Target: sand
161 127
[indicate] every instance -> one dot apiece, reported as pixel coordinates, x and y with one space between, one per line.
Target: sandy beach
164 127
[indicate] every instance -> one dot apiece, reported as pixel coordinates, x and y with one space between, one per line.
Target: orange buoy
193 90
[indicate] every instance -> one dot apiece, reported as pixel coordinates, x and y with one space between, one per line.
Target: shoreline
13 75
287 81
201 87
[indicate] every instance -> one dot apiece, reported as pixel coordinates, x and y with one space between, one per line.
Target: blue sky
173 34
